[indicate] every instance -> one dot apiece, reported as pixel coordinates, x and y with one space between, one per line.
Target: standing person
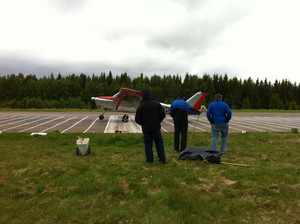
149 115
179 111
219 115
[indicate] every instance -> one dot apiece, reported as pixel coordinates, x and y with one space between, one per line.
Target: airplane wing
105 102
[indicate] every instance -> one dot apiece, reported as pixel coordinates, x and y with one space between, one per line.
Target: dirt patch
125 186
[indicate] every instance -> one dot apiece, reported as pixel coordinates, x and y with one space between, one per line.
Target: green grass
43 181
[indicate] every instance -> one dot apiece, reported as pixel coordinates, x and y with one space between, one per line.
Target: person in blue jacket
179 111
219 115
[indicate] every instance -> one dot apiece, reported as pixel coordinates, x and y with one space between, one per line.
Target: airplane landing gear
125 118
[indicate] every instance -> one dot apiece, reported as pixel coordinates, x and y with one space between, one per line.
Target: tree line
75 91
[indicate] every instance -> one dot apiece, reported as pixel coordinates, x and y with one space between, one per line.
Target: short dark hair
181 95
218 96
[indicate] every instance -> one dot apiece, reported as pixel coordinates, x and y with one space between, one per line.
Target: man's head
147 94
181 96
218 96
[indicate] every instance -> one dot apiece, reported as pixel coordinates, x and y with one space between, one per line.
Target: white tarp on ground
38 133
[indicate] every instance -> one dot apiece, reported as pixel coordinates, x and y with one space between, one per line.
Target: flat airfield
88 122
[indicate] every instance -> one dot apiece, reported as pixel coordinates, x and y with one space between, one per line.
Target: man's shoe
176 151
163 162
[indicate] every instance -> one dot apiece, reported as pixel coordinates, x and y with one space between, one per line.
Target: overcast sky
242 38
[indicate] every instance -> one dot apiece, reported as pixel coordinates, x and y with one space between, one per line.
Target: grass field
43 181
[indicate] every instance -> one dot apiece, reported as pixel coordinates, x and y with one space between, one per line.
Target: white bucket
83 145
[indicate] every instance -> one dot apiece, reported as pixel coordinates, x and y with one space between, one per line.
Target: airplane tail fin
196 100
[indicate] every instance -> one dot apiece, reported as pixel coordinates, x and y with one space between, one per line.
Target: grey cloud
192 4
15 64
193 38
196 35
68 5
18 63
28 63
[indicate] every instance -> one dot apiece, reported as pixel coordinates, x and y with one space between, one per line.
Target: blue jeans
215 129
148 140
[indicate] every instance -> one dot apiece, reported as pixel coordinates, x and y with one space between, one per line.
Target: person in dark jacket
149 115
219 115
179 111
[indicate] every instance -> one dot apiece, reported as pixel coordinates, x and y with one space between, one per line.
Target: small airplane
127 100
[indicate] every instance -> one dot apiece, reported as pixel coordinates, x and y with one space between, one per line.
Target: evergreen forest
75 91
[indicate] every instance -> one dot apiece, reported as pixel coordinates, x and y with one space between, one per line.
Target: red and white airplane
127 100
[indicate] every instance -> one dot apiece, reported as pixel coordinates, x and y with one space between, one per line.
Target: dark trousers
180 131
148 140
